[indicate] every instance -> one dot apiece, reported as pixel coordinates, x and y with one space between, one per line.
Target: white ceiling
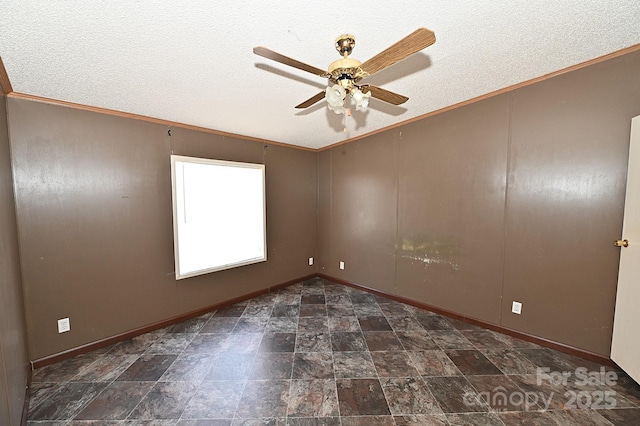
192 62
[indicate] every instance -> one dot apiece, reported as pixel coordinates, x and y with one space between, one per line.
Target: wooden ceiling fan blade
413 43
274 56
312 100
385 95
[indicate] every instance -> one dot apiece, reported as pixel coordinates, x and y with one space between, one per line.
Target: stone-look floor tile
264 399
63 371
66 401
472 362
361 297
627 388
315 311
382 341
230 311
116 401
338 299
278 342
393 364
579 417
313 421
166 400
367 310
312 299
394 309
264 421
230 366
282 325
251 325
282 310
502 394
105 369
205 422
474 419
313 398
450 339
421 420
433 363
313 324
487 339
214 400
348 341
361 397
136 345
340 310
38 392
255 310
547 358
548 395
510 361
350 324
147 368
434 322
462 325
272 365
456 395
405 324
313 342
188 368
242 343
527 418
288 299
374 323
219 325
354 365
209 343
313 365
193 325
416 341
171 344
409 395
368 421
622 416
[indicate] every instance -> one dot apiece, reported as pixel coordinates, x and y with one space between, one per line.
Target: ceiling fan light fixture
361 99
335 96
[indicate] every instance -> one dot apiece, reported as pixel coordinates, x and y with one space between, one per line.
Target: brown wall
94 214
14 360
517 197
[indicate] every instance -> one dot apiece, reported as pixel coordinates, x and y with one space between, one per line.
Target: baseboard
61 356
570 350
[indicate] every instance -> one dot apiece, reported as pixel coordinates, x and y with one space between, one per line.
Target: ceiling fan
345 74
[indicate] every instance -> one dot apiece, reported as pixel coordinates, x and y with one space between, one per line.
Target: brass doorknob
621 243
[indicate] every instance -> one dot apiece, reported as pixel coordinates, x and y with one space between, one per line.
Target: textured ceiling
192 62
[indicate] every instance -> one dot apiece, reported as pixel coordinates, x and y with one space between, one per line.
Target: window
218 214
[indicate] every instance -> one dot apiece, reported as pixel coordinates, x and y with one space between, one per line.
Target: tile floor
319 353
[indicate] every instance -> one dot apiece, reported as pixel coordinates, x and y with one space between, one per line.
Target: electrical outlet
341 264
310 261
516 307
64 325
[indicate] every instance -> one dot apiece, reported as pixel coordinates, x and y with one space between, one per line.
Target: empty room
319 214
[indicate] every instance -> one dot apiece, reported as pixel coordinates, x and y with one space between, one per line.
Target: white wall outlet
516 307
310 261
64 325
341 264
